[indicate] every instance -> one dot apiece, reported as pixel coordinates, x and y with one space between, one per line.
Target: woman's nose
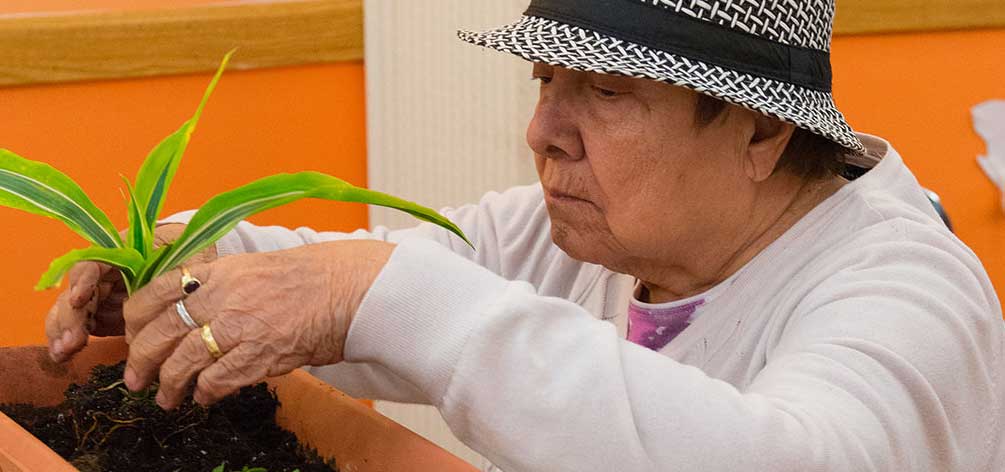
552 132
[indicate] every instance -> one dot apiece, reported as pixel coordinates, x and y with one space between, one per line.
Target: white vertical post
445 124
445 120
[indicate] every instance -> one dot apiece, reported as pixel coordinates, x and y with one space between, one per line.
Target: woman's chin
578 244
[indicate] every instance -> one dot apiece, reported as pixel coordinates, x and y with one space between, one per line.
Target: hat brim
559 44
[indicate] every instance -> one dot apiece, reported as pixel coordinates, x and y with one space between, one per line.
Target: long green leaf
139 236
126 259
158 170
38 188
151 264
223 212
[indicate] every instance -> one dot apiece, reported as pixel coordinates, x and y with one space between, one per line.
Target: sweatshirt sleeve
511 238
509 230
869 379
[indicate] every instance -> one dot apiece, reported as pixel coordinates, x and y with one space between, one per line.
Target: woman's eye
606 93
543 79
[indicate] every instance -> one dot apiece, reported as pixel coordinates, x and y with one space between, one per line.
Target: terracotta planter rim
358 437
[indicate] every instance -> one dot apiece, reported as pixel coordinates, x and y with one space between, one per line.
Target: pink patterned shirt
654 325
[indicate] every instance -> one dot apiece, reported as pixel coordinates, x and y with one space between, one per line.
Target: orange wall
257 123
916 90
913 89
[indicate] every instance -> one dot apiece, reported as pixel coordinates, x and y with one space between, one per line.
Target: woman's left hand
269 313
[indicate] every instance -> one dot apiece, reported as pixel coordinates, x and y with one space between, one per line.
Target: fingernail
67 337
76 293
56 351
130 378
161 401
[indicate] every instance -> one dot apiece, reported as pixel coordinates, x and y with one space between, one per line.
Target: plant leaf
158 170
126 259
139 236
220 468
39 188
221 213
152 262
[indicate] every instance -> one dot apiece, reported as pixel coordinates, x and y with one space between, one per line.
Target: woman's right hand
92 302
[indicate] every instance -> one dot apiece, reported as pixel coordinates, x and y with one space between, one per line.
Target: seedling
39 188
221 468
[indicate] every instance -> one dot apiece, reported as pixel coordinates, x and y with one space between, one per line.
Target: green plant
38 188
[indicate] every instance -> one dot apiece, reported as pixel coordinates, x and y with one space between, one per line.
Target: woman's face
629 179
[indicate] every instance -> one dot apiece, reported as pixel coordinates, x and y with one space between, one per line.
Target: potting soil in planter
102 427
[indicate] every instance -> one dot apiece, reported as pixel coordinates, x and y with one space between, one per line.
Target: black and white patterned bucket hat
772 56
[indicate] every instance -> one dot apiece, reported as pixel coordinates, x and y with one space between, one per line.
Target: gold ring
189 284
210 341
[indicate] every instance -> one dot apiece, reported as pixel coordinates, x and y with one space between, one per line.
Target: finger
156 297
84 279
53 329
151 347
187 360
75 334
69 322
92 305
190 358
66 329
240 367
108 319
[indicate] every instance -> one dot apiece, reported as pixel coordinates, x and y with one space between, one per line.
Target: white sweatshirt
866 338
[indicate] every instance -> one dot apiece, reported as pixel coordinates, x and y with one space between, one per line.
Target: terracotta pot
359 438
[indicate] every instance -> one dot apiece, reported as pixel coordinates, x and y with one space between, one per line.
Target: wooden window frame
105 45
110 45
897 16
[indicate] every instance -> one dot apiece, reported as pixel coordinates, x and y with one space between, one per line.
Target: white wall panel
445 123
446 120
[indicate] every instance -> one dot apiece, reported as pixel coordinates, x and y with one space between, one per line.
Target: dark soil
102 427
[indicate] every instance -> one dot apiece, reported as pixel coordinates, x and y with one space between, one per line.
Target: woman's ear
766 145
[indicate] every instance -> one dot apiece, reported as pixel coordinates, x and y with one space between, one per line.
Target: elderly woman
715 273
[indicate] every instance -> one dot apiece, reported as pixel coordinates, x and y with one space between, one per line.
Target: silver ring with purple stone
189 284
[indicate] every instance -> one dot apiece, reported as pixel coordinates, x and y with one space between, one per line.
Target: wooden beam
102 45
55 47
890 16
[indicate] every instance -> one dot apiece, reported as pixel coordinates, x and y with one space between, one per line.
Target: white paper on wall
989 122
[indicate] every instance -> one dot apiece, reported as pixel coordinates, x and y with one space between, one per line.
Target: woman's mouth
562 197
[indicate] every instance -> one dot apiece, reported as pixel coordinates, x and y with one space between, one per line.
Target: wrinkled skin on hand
92 301
269 312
